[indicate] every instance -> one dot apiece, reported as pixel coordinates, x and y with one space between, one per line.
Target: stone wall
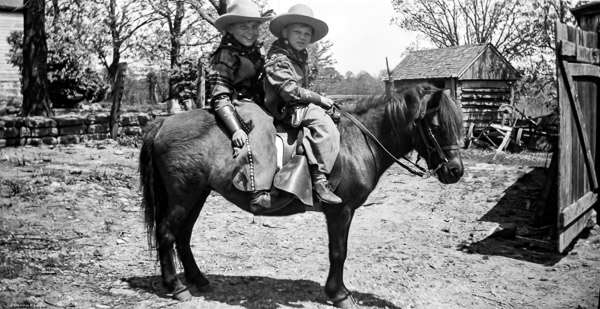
66 129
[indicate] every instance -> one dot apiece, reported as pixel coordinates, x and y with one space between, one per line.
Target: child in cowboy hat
289 100
235 92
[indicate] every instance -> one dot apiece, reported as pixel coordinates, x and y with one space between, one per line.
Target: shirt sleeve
280 74
220 76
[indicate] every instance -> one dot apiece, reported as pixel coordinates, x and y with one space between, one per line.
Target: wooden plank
483 104
201 87
567 49
565 149
483 84
487 97
588 55
581 127
575 210
579 53
566 236
487 90
583 69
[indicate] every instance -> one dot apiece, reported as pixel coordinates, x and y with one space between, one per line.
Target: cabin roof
441 63
11 5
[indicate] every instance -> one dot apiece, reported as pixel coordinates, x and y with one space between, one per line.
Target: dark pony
186 156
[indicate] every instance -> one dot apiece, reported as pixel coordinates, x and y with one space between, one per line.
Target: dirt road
71 235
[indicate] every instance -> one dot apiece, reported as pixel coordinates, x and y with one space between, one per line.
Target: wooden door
578 72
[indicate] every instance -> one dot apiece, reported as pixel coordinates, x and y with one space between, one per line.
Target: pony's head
437 132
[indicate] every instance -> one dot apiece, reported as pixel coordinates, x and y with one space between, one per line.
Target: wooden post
201 87
152 80
117 94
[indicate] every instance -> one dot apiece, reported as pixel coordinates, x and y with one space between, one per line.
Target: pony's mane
402 107
450 114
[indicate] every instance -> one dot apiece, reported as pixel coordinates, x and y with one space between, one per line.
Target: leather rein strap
419 171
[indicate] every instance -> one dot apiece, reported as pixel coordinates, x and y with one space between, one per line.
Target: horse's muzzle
452 171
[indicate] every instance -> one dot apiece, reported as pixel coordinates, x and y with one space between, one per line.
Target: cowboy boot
260 202
322 189
264 202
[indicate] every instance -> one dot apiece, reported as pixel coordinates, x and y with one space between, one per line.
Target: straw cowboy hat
239 11
299 14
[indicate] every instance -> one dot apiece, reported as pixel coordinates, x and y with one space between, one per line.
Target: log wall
480 101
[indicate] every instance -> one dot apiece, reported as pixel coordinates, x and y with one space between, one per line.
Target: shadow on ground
516 237
258 292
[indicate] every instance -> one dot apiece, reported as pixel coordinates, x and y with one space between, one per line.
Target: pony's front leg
338 227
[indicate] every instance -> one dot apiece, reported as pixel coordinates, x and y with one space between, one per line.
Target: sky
360 30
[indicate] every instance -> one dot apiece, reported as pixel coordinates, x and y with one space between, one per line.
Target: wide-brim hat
240 11
299 14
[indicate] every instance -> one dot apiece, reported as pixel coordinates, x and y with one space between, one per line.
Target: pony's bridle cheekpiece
431 143
427 136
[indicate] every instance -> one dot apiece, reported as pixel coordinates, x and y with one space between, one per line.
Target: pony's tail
153 189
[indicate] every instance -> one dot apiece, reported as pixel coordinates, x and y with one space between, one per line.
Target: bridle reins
431 143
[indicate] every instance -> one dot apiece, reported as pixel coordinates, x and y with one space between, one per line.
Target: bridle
431 143
426 134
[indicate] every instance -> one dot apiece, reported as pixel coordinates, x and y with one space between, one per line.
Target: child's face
245 32
298 35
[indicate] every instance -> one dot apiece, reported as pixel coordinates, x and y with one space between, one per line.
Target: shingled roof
11 5
440 63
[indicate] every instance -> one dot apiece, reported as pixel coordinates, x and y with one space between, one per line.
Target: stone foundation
66 129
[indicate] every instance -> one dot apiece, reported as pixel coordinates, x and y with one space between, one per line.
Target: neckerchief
282 46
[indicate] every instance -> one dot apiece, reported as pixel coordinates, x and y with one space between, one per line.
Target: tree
35 51
507 24
320 57
328 81
184 28
122 21
522 31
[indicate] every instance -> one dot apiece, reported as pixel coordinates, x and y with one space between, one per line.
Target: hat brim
227 19
320 28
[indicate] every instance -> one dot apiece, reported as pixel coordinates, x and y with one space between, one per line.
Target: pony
187 155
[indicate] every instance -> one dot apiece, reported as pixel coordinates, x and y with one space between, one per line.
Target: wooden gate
578 70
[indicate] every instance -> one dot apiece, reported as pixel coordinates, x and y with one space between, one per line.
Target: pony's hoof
346 303
182 294
207 288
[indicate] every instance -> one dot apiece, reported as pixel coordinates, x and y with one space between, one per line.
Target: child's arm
282 76
221 73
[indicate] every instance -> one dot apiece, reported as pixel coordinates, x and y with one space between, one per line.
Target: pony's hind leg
175 226
193 274
165 236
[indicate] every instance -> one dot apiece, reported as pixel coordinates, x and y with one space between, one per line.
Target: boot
261 202
324 193
321 186
265 202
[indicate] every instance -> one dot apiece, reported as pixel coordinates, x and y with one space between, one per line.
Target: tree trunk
176 43
35 57
116 41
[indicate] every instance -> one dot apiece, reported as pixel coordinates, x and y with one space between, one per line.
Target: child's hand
326 103
239 138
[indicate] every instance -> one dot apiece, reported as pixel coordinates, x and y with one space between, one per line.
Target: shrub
69 82
184 78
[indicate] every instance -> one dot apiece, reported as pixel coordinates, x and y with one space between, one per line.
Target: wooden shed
11 19
480 78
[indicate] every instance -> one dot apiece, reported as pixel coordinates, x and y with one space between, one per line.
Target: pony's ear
448 92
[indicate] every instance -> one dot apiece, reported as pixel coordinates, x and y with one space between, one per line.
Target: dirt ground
71 235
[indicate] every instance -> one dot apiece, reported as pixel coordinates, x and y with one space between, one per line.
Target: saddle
293 175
